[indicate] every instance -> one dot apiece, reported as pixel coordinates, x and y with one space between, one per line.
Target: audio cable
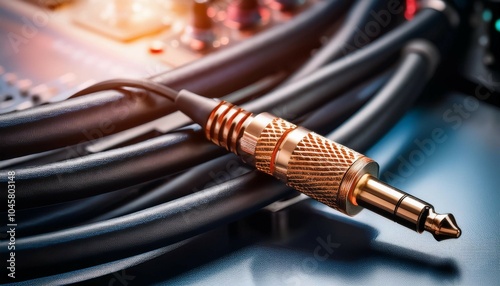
70 179
331 173
325 170
322 169
166 223
40 129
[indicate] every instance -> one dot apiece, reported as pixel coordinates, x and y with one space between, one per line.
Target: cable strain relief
195 106
426 49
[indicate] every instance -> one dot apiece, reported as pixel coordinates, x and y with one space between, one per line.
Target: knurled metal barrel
310 163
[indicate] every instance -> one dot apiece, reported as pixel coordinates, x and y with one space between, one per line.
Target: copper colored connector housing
324 170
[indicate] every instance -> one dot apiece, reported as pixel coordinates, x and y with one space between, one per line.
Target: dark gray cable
332 114
343 41
79 175
210 172
334 77
207 174
110 170
147 229
69 122
173 221
383 111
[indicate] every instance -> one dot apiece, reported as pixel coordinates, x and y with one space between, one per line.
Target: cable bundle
107 209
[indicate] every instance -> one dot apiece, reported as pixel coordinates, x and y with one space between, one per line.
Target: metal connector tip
442 226
404 209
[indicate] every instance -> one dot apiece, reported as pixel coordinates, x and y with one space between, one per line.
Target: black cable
79 179
343 41
110 170
427 24
95 271
70 122
326 117
237 97
112 84
158 226
207 174
43 220
227 165
332 114
75 178
383 111
173 221
76 121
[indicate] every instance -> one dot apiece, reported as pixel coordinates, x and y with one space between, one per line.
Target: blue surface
460 175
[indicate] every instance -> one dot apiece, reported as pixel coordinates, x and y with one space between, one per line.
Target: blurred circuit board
54 48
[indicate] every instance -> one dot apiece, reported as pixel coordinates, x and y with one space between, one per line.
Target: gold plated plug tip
404 209
442 226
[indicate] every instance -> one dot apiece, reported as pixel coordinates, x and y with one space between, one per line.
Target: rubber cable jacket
383 111
209 173
166 223
111 170
61 216
334 77
289 102
343 42
213 172
69 122
332 114
148 229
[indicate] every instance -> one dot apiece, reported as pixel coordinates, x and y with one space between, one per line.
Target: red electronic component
411 9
